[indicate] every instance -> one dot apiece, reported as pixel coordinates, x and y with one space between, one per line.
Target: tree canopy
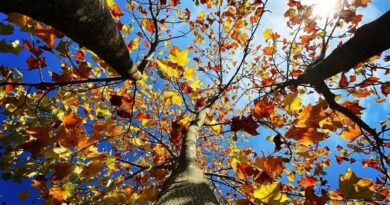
195 102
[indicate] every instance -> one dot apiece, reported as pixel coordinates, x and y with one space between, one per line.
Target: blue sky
373 114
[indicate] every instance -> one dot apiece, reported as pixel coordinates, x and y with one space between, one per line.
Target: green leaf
10 48
6 29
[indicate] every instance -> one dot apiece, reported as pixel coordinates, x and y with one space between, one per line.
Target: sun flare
322 8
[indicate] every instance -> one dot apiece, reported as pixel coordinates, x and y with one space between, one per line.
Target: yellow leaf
57 194
110 3
147 123
133 45
292 102
185 120
172 97
136 142
195 84
216 128
267 34
179 57
189 73
270 193
168 69
335 195
353 187
351 132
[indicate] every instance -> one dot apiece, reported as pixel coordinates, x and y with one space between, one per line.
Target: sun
322 8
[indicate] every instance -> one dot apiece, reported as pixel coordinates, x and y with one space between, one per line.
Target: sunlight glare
322 8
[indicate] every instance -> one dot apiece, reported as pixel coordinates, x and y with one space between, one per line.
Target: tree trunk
87 22
369 40
188 185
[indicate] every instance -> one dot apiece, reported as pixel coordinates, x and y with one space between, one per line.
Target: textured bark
187 185
369 40
87 22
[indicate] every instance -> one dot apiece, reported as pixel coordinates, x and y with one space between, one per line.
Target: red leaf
36 51
368 81
176 134
354 106
33 63
263 108
343 81
59 78
80 56
246 124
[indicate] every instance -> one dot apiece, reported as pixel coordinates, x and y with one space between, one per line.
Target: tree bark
188 185
87 22
369 40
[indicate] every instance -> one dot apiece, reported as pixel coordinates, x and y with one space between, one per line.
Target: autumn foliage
82 134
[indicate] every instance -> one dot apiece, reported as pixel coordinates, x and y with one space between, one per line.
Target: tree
177 134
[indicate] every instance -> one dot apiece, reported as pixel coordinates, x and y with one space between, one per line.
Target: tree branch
87 22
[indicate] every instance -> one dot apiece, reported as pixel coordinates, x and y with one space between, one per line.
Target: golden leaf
270 194
353 187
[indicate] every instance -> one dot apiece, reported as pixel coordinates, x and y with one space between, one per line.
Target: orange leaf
174 3
361 93
71 120
272 165
116 11
307 181
354 106
269 50
312 115
47 34
306 136
351 132
263 108
142 116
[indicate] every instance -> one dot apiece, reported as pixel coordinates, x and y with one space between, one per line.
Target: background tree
178 134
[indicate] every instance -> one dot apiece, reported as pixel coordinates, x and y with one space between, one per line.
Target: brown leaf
71 120
47 34
312 199
62 170
385 88
246 124
272 165
306 135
